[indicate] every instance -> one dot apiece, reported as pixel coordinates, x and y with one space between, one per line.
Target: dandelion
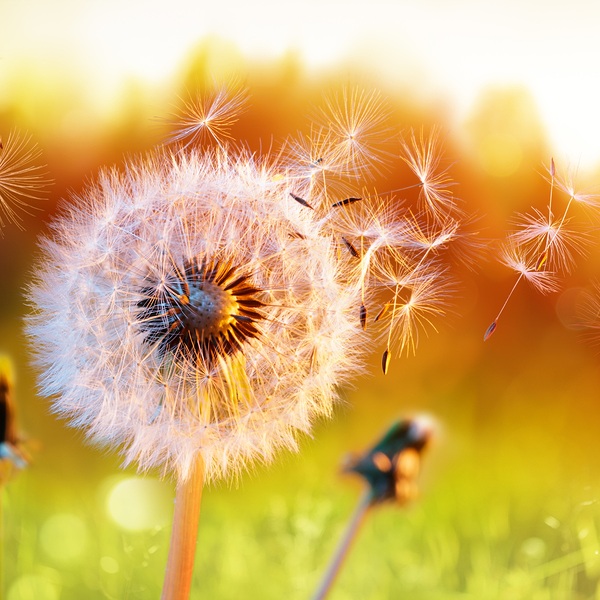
22 180
357 121
200 308
390 470
190 307
543 246
190 311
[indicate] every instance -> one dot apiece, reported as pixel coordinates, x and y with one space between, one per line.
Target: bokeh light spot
109 565
33 587
139 503
569 308
64 537
500 154
534 548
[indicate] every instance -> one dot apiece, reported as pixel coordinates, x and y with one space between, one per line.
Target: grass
508 507
466 538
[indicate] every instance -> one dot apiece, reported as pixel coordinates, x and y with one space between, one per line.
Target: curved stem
182 550
344 545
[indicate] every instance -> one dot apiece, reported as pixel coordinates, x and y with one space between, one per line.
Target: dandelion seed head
209 315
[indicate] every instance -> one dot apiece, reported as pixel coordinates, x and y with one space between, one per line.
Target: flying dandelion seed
357 121
208 118
22 181
423 158
544 246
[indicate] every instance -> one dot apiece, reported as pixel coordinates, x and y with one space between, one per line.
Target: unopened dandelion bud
8 433
392 466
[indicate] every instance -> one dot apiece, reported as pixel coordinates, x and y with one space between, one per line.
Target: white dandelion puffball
190 307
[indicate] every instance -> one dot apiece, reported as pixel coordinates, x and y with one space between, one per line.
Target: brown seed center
209 309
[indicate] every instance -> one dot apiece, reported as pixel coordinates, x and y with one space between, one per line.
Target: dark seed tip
385 361
489 331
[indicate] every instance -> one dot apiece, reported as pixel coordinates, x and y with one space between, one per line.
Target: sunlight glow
447 51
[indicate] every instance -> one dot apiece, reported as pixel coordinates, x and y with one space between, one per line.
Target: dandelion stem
342 550
180 564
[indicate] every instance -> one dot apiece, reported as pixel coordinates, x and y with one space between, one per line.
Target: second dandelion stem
180 564
342 550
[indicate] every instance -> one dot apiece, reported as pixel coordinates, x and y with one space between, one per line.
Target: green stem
344 545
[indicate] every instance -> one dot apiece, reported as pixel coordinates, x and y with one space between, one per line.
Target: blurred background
510 487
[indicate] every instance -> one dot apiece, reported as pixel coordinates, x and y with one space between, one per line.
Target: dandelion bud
391 467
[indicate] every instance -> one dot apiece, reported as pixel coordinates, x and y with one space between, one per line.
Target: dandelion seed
566 185
357 122
385 361
363 316
351 248
554 240
301 201
543 245
423 158
382 312
515 258
22 181
210 117
489 331
345 202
